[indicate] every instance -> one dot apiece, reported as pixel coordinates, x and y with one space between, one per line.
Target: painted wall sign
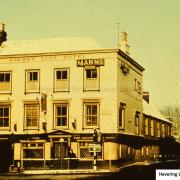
90 62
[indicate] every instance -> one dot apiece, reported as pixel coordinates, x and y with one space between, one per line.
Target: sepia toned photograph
89 89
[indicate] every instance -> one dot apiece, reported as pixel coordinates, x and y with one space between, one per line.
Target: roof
48 45
151 110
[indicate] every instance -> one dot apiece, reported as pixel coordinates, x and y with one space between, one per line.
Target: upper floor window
31 116
4 116
122 108
91 79
138 86
61 115
137 117
61 82
5 82
91 114
32 81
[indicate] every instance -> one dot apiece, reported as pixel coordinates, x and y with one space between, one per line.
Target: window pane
7 77
1 77
58 121
58 111
94 73
6 122
94 110
64 121
6 111
1 122
30 75
88 111
64 74
88 73
64 110
58 74
1 112
35 76
94 121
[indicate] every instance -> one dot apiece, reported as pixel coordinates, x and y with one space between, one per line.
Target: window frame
91 103
25 116
10 82
27 80
87 79
60 104
5 105
121 116
55 89
137 122
29 146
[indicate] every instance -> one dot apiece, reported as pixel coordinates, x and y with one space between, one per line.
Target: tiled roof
151 110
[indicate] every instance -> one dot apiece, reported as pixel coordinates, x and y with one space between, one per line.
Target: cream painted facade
52 101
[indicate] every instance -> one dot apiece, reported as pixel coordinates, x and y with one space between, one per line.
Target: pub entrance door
6 155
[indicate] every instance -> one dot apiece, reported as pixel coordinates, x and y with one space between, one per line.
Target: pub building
55 93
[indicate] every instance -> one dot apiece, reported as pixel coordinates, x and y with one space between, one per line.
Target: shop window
91 79
31 116
5 82
122 109
61 115
84 152
32 81
91 114
4 116
33 150
61 82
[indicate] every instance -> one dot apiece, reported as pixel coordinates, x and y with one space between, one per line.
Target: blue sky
153 32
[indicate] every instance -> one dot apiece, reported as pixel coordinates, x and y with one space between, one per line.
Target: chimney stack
146 96
3 33
123 43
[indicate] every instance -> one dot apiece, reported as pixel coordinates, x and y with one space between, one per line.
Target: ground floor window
84 152
33 150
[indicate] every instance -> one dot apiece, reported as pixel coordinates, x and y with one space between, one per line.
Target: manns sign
90 62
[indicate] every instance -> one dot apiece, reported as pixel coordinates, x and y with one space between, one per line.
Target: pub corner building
67 100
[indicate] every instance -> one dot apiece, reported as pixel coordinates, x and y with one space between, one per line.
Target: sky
153 28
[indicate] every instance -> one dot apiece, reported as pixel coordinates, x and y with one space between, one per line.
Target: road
140 172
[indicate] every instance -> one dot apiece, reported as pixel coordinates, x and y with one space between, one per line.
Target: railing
65 163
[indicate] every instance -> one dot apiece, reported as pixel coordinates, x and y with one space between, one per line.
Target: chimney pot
123 43
3 34
146 96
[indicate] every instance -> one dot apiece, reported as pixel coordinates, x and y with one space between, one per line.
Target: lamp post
96 143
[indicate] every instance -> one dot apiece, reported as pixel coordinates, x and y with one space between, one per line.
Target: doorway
6 155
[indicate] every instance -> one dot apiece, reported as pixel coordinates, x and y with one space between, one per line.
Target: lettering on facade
45 57
90 62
